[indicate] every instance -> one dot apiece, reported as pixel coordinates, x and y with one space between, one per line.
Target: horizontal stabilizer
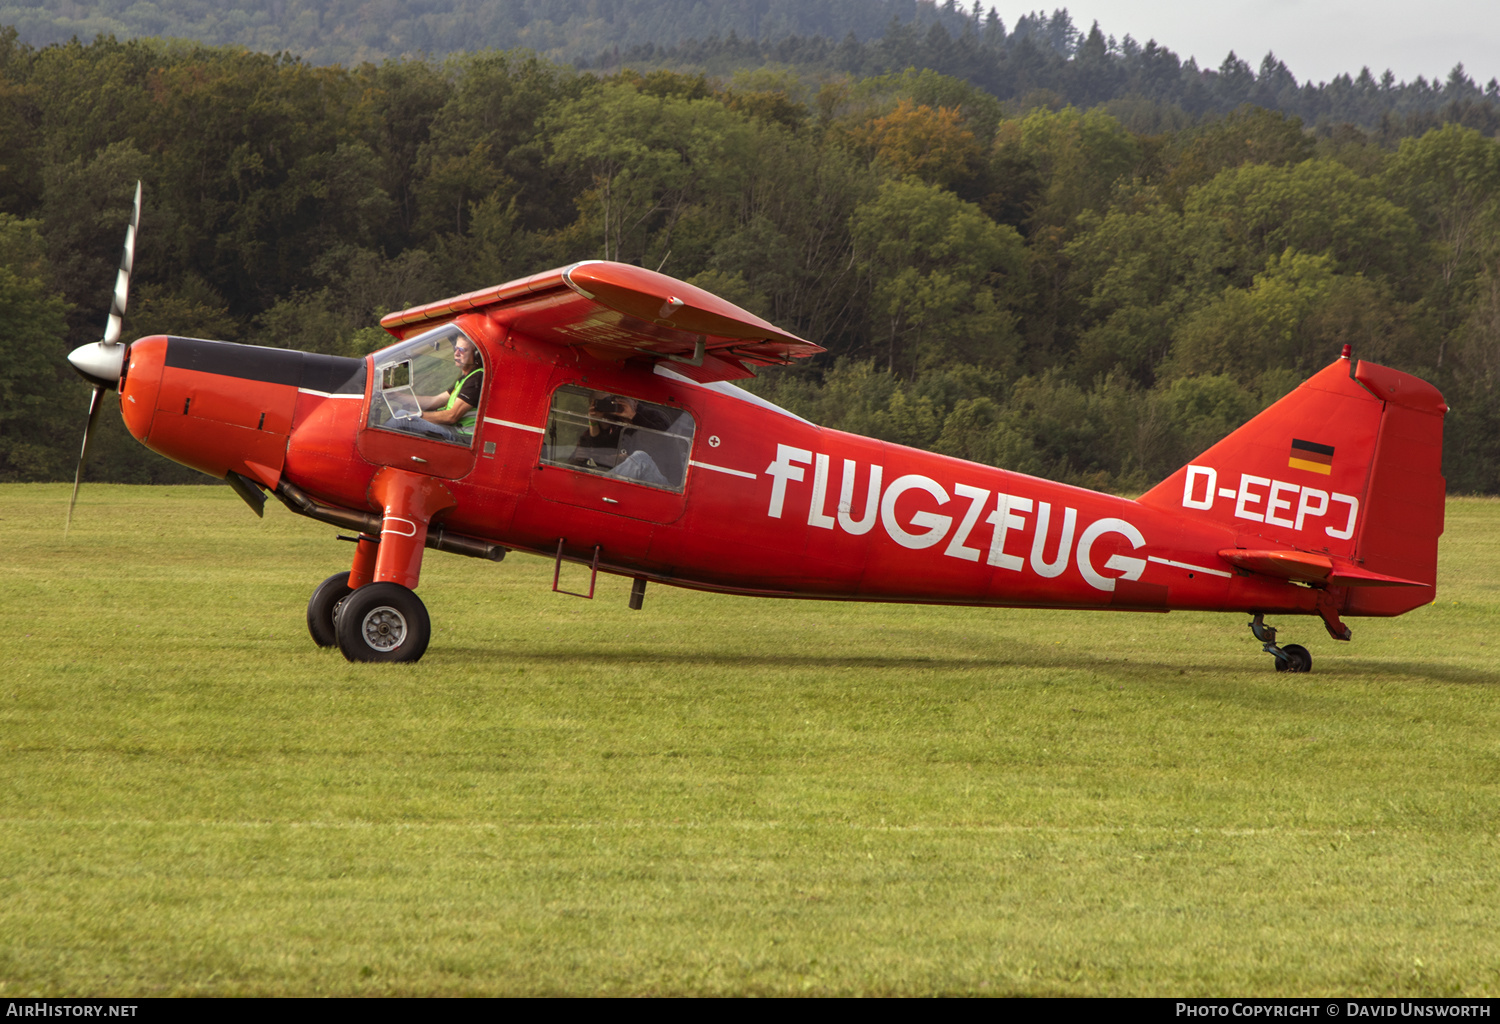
617 311
1305 567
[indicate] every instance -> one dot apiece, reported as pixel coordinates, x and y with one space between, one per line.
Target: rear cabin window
618 436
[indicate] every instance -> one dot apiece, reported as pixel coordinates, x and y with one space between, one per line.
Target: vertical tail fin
1349 466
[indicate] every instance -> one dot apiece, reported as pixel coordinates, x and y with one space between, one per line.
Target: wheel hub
384 629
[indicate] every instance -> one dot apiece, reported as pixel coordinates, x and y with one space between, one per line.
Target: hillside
1041 58
351 31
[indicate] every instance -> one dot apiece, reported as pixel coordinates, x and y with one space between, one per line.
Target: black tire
1301 661
383 622
322 609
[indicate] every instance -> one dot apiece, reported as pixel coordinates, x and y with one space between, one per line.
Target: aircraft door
426 403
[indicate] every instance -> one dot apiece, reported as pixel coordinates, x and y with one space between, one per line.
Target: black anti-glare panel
335 375
329 374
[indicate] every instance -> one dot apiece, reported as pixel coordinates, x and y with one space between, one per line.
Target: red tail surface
1337 484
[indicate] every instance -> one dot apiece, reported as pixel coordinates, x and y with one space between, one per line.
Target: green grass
716 794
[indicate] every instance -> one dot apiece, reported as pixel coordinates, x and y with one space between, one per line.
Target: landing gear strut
370 612
1291 658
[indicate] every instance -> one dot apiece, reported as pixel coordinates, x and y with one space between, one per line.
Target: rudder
1404 501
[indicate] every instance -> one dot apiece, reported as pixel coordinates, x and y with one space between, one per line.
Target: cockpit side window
619 437
430 386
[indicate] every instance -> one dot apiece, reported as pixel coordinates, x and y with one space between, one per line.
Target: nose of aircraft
99 363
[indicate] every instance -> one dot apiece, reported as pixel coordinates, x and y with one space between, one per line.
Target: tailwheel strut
1291 658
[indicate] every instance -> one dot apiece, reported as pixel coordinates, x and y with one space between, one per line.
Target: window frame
382 360
557 428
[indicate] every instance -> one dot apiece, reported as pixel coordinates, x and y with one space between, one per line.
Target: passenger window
619 437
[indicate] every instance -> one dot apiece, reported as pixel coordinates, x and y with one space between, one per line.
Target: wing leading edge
616 312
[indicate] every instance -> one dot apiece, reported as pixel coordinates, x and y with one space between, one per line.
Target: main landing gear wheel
383 622
1297 659
323 608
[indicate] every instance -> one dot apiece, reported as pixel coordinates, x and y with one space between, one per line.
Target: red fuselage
771 504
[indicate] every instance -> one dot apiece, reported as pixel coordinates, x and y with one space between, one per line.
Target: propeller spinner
102 362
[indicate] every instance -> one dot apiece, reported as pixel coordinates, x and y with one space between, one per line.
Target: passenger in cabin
598 444
622 437
452 415
643 451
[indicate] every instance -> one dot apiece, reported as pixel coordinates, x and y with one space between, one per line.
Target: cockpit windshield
429 374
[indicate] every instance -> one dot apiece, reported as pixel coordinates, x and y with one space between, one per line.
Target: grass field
718 795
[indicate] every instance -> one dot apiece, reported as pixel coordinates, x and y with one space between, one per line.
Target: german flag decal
1311 456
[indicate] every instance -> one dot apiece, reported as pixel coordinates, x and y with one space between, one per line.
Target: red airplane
586 414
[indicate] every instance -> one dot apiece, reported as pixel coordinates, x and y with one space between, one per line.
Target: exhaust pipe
368 523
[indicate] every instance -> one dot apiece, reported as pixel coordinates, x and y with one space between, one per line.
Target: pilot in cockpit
453 414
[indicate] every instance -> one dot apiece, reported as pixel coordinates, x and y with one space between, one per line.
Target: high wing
616 312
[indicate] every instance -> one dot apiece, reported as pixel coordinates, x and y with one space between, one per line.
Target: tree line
1048 60
1035 285
352 31
1041 52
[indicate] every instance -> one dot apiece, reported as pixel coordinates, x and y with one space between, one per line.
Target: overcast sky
1317 39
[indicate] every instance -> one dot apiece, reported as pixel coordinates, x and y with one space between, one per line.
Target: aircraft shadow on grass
1044 662
1428 671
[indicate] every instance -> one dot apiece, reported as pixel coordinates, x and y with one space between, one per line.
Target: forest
354 31
1090 291
861 38
1049 57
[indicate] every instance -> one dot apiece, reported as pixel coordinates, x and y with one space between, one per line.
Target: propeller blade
113 326
102 362
94 406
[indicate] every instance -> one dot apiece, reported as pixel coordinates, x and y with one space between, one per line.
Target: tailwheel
1297 659
323 608
1291 658
383 622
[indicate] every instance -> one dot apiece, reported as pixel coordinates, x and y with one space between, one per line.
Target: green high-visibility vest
466 422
